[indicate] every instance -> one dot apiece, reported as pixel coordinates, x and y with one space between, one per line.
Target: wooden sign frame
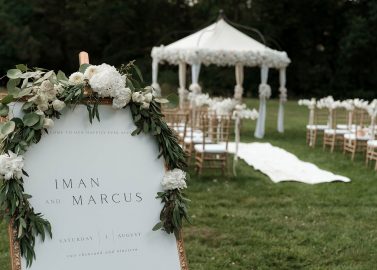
15 251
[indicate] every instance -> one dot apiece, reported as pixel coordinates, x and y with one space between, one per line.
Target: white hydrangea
122 97
107 80
174 179
11 166
76 78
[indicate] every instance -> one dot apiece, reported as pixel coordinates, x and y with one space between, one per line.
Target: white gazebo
223 45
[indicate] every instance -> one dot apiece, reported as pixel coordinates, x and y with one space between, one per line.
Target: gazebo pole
156 87
264 94
182 83
282 99
238 89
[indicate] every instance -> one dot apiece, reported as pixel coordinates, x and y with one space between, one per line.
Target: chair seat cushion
196 139
352 136
336 131
317 127
195 133
211 148
372 143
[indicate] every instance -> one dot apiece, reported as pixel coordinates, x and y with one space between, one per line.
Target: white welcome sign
97 184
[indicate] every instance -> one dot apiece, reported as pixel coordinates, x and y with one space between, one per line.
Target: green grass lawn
248 222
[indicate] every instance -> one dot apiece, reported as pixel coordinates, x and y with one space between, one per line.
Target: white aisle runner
280 165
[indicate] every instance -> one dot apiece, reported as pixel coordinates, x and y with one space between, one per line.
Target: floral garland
268 57
46 94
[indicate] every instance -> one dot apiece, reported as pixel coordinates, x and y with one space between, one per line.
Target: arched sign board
97 184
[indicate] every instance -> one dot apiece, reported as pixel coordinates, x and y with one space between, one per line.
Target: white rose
58 105
90 71
11 166
138 97
76 78
174 179
148 97
48 123
47 86
43 107
145 105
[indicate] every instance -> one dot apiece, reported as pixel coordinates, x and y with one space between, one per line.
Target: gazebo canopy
223 45
220 44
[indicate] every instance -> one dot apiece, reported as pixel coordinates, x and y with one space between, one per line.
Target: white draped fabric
280 165
282 99
182 83
238 89
195 71
264 94
156 87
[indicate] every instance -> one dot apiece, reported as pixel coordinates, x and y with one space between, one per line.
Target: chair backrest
340 117
215 128
361 121
177 121
321 116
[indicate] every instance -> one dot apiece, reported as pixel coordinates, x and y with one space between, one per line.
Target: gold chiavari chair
334 136
213 155
315 130
356 141
194 133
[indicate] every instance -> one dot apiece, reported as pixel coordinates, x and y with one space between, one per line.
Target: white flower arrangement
106 80
268 57
174 179
11 166
242 112
310 103
223 106
199 100
328 103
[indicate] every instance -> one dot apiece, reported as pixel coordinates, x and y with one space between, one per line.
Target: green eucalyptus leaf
161 100
158 226
22 67
12 86
4 110
27 106
7 99
61 76
14 73
83 67
31 119
8 128
130 85
138 73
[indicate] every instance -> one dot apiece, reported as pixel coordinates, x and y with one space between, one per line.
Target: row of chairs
352 131
203 135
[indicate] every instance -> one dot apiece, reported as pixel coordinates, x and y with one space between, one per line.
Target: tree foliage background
330 42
